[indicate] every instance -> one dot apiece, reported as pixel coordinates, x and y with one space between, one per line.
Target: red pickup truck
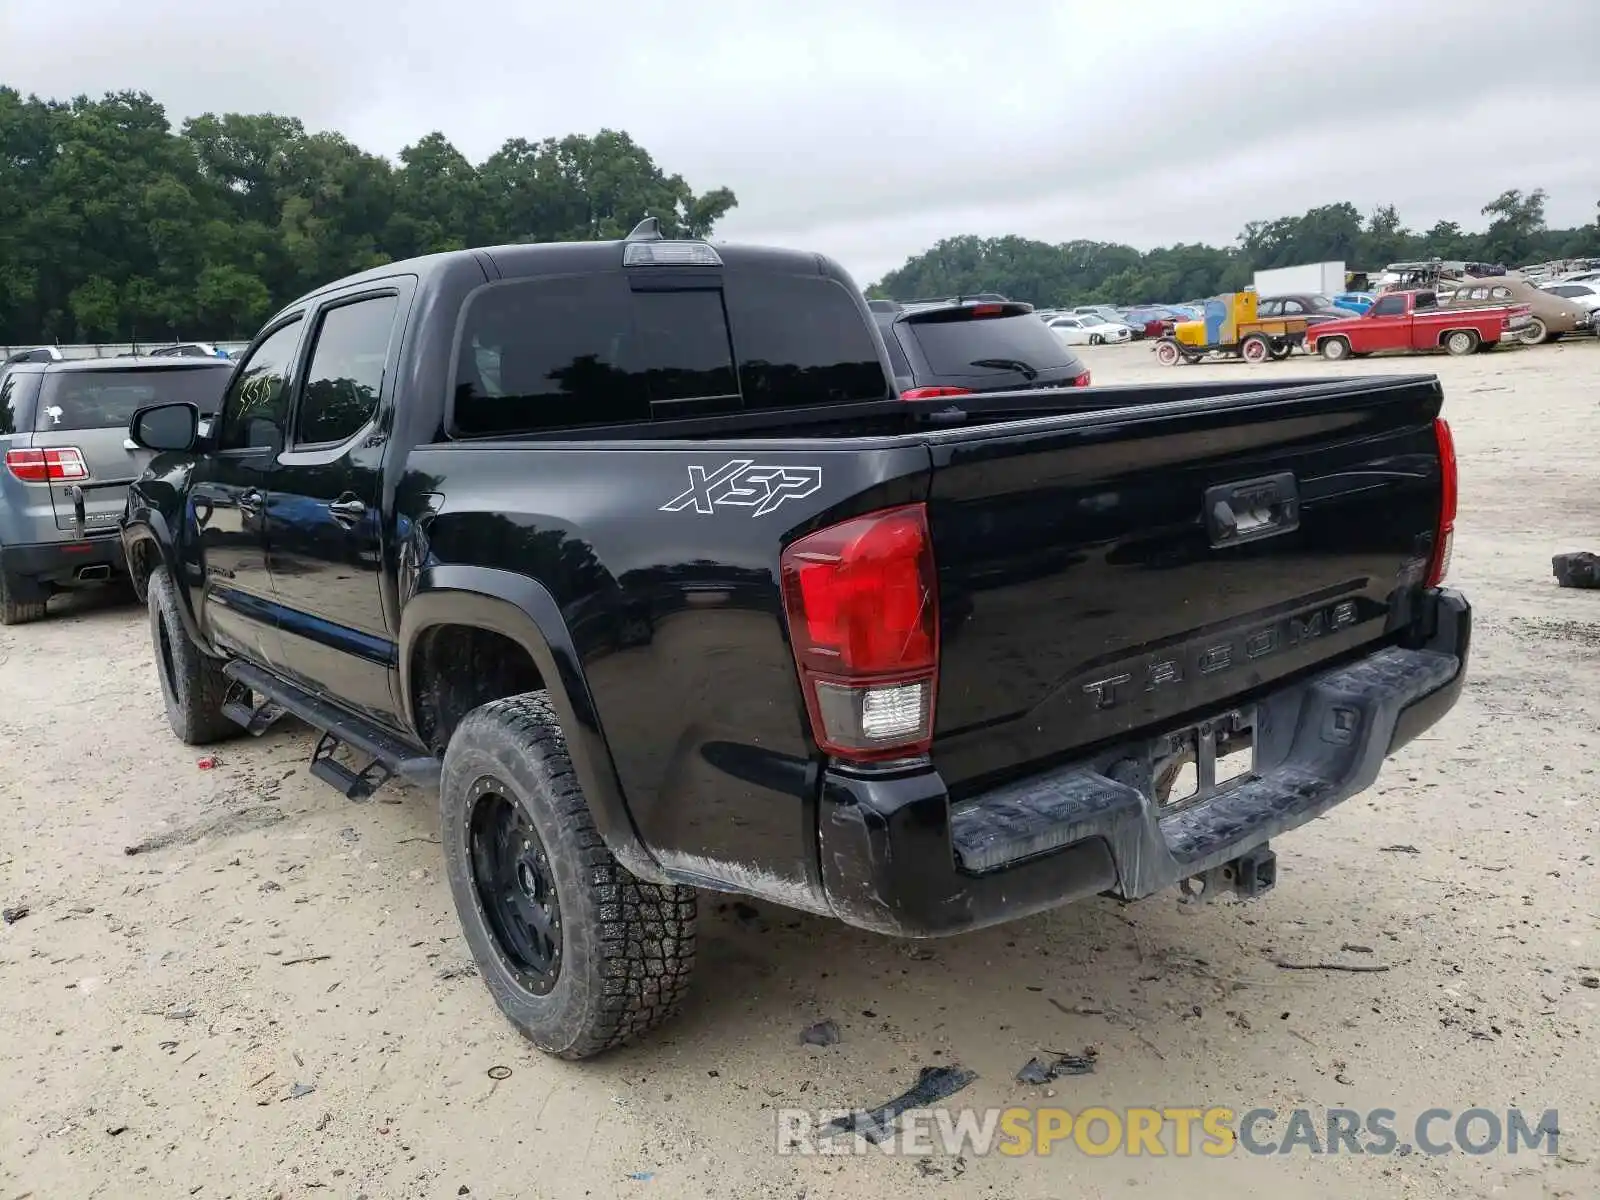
1414 321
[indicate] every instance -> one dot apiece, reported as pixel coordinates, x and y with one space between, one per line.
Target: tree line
1083 272
114 226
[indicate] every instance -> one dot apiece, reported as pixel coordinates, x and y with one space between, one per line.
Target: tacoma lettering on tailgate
1211 656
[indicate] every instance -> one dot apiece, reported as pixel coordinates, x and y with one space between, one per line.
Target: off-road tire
19 609
1334 349
627 947
192 683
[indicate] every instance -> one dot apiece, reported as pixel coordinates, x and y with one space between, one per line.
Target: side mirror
174 426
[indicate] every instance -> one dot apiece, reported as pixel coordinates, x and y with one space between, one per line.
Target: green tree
112 225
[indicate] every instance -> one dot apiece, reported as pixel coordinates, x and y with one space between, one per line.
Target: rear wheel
1167 353
192 683
21 600
1534 332
1460 342
1255 349
579 954
1335 349
1282 351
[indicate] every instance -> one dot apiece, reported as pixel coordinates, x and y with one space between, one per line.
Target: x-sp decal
744 484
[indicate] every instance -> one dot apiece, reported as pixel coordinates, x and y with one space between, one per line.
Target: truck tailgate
1090 584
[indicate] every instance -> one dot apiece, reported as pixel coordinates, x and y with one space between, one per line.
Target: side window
1293 306
1501 293
256 408
346 371
1480 293
1389 306
1423 301
1269 308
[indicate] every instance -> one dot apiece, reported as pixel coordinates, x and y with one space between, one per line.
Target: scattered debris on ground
933 1085
823 1033
14 914
1578 570
1039 1071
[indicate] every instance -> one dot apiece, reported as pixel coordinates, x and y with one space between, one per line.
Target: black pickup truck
632 550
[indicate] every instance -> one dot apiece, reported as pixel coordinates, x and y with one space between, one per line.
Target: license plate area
1194 764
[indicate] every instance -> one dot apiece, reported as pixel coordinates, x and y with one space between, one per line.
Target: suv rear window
108 399
957 347
544 354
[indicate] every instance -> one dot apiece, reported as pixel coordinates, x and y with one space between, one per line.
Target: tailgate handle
1252 509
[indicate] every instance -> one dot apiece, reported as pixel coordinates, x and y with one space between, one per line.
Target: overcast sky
869 129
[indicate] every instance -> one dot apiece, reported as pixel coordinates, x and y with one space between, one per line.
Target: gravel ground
272 998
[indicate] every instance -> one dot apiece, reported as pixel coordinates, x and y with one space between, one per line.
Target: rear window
561 353
987 345
108 399
801 341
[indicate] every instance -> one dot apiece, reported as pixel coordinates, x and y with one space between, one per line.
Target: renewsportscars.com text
1170 1131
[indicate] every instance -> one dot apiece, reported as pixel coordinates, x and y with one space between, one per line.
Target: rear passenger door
325 535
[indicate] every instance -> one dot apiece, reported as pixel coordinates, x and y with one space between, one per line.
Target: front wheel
1534 332
1167 353
1461 342
1097 339
1335 349
579 954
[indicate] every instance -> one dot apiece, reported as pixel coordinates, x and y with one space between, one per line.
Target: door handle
347 510
250 502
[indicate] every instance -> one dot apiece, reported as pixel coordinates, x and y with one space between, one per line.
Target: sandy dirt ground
272 999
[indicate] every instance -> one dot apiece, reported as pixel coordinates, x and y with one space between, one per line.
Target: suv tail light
1439 563
933 393
863 606
1081 380
56 464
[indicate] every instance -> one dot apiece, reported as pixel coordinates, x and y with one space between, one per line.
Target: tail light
987 310
862 603
56 464
933 393
1439 563
1081 380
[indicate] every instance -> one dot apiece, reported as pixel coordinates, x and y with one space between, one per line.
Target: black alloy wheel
515 885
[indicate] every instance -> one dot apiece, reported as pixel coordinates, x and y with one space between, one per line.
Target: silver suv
68 463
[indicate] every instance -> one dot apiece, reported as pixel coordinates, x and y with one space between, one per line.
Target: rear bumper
64 561
898 857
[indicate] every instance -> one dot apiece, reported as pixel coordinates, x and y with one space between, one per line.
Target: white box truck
1326 278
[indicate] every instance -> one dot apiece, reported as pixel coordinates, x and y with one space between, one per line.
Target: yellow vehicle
1231 327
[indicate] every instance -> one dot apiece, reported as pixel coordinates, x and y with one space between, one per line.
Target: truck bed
1081 597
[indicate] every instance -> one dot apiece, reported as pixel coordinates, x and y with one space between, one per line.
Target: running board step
240 707
353 785
387 750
